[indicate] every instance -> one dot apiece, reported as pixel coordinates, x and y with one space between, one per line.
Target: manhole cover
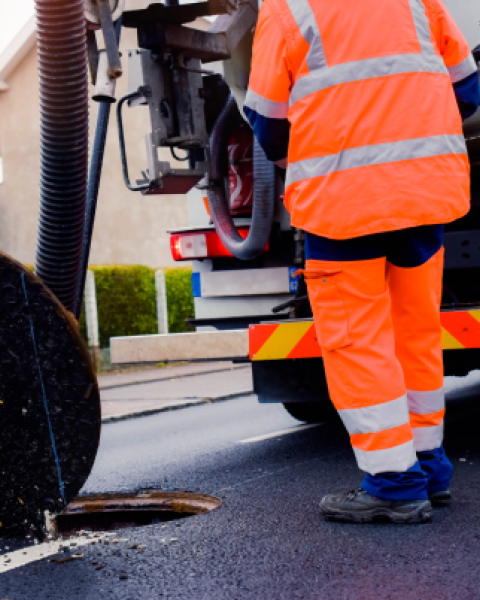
104 512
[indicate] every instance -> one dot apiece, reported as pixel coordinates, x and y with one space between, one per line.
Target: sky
13 15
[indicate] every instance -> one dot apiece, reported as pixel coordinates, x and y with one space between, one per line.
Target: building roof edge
17 49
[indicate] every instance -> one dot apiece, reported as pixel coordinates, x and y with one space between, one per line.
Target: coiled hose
263 190
62 64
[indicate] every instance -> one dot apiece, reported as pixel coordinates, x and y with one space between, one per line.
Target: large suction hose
62 64
263 186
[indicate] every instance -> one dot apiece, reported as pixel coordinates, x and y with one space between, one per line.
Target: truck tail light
200 244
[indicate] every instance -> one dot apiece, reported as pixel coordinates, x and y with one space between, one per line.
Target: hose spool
50 410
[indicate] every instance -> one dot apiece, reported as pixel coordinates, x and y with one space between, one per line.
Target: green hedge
126 301
179 299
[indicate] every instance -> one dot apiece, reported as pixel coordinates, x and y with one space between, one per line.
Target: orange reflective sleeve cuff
270 77
450 40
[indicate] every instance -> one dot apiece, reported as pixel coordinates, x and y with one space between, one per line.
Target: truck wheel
311 412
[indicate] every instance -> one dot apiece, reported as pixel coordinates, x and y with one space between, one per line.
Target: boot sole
422 514
440 497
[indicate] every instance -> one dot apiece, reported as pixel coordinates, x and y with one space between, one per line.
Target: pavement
268 539
128 378
139 393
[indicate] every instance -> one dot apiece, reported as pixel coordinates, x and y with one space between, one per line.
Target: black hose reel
49 404
49 399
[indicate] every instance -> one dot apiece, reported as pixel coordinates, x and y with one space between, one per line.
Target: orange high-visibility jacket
376 139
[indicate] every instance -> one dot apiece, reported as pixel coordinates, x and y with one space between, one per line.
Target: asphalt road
268 539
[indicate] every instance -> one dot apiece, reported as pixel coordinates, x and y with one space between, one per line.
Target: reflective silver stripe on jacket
464 69
365 69
375 155
306 22
322 76
264 107
422 25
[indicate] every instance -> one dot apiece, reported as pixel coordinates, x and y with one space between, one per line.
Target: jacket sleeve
453 47
266 104
457 57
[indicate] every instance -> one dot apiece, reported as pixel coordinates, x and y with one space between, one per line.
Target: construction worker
357 98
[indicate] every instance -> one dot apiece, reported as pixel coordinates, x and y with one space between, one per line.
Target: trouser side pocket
328 306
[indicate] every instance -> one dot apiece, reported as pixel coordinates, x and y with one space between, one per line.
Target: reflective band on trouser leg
392 460
390 447
351 308
427 411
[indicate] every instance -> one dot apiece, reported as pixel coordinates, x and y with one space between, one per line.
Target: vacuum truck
249 305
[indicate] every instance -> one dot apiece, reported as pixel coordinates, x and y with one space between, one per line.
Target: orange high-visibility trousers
379 328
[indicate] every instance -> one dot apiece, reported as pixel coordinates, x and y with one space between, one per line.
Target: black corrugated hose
62 65
263 191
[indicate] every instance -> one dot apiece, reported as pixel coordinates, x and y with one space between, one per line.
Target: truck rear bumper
202 345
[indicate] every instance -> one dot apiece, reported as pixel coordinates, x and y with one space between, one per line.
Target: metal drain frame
98 511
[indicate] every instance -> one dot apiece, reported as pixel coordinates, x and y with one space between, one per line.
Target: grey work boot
360 507
440 497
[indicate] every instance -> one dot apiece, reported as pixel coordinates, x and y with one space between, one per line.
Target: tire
311 412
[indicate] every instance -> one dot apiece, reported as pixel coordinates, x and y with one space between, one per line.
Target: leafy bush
126 301
179 299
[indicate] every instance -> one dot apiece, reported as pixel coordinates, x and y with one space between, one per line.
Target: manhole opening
106 512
